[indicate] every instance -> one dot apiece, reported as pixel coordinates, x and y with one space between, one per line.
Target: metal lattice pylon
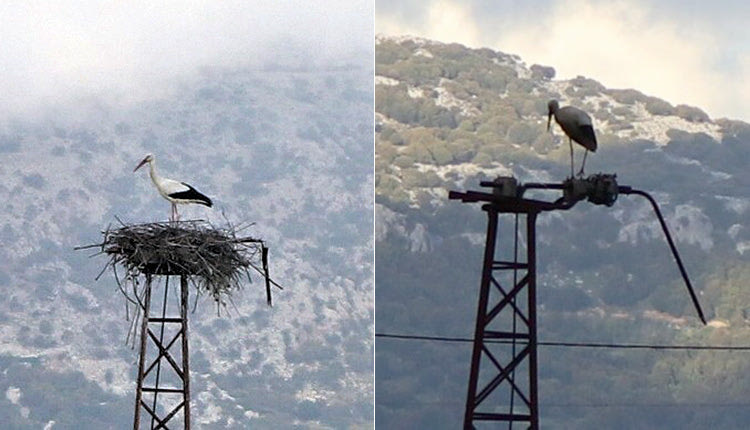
505 339
163 390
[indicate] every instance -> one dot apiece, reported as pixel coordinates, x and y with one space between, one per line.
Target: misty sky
53 52
693 52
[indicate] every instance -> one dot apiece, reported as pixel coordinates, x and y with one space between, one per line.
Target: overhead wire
565 344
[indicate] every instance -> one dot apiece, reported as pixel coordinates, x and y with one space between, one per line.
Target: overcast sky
690 51
55 51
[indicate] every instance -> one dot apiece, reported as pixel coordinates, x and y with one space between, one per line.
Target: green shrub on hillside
627 96
415 179
692 114
463 150
403 161
390 52
657 106
523 133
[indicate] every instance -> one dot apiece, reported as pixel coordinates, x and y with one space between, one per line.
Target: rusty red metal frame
182 370
499 361
506 197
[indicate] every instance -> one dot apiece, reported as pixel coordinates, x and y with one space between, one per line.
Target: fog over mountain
55 52
283 143
448 117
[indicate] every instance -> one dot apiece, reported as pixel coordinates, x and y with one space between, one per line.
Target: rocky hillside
448 117
286 148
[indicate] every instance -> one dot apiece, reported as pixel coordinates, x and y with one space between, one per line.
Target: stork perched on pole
174 191
577 126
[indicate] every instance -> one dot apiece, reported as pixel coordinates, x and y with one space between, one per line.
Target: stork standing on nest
577 126
174 191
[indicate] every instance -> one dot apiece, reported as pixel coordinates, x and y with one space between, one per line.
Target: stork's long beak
145 160
549 120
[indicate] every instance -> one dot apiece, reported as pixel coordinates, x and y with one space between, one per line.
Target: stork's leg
580 173
571 157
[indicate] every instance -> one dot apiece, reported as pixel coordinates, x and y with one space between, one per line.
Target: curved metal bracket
675 254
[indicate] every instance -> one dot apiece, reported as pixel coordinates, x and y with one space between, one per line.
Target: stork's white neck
155 178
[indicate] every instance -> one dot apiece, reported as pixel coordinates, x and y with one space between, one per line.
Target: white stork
577 126
174 191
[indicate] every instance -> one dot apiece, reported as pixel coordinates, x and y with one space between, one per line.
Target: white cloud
739 102
676 56
443 20
54 51
621 45
452 19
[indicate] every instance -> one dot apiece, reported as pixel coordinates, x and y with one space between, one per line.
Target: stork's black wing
192 195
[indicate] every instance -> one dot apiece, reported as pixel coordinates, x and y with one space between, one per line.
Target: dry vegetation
216 260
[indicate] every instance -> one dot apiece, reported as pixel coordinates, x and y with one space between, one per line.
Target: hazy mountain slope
446 118
287 148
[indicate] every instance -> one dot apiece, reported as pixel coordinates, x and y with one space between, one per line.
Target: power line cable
605 404
570 344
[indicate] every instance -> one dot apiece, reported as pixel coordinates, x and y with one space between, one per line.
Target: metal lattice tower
505 336
506 313
217 262
163 387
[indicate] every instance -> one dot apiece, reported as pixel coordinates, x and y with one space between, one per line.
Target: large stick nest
216 260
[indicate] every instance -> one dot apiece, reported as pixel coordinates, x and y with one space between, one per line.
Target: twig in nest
216 260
